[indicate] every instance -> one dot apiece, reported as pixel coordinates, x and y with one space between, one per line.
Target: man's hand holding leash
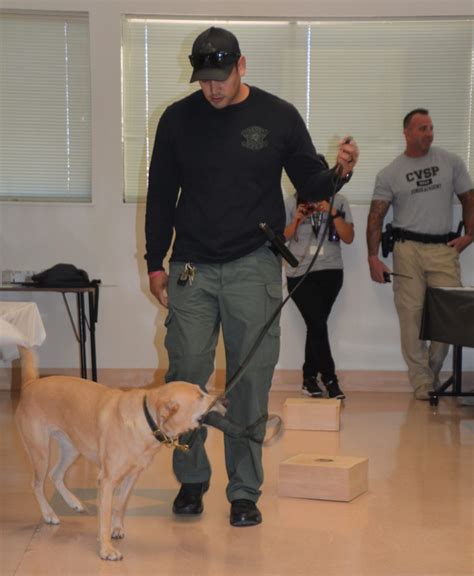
347 156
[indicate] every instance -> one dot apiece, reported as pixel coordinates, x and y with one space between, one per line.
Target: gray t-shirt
421 190
305 246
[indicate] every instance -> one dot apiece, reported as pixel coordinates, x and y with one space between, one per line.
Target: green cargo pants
239 296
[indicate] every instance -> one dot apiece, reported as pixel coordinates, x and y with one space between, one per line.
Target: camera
308 208
387 240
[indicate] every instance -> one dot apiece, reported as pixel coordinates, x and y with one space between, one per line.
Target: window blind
345 77
368 75
45 144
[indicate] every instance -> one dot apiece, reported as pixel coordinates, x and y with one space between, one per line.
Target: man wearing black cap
215 175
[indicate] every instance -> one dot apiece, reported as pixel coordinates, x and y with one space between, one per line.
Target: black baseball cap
215 52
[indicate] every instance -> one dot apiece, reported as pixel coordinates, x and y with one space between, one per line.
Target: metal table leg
81 321
93 306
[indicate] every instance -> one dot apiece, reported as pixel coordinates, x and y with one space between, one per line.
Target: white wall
106 238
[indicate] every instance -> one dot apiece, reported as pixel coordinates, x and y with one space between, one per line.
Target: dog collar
159 434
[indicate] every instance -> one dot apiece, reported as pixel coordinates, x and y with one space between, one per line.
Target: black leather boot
189 498
244 513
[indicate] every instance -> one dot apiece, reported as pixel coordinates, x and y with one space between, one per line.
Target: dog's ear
167 410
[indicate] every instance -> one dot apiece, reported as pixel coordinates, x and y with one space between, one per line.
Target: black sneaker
311 388
333 389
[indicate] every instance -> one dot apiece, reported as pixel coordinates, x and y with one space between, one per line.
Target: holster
387 240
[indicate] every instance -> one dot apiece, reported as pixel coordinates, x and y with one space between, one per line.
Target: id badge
313 248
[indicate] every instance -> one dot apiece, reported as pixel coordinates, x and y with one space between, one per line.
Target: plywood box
311 413
323 477
317 441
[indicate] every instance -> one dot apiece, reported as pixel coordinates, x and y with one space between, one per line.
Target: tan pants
429 265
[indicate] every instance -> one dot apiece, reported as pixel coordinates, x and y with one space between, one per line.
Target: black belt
400 235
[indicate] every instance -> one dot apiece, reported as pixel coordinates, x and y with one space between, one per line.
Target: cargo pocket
271 342
456 267
172 340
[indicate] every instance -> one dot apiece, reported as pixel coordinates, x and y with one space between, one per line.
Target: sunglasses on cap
213 59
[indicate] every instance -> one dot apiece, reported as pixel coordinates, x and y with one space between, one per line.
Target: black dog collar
159 434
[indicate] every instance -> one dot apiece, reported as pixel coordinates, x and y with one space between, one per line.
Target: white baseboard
284 380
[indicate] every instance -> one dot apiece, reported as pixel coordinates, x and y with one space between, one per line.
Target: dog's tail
29 365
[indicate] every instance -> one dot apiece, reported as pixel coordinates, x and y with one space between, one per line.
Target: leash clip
174 443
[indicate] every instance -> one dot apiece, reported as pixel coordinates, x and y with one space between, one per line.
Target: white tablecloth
20 324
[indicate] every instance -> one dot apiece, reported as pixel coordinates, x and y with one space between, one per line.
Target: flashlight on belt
279 245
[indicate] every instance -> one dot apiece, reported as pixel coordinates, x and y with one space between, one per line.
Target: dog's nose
225 402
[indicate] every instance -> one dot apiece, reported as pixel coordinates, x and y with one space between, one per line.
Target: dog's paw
51 519
118 532
76 505
73 502
110 553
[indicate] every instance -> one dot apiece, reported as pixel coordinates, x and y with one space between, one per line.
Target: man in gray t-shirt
420 184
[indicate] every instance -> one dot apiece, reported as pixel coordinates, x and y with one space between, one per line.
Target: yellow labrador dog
107 426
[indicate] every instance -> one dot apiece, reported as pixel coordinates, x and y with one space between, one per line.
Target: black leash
237 375
227 426
215 419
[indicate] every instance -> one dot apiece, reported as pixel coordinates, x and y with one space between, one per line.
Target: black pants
314 299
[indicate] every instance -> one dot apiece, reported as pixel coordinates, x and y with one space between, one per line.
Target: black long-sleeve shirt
228 164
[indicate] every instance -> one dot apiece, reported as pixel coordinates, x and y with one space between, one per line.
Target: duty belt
400 235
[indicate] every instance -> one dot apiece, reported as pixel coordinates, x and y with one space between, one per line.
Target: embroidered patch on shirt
255 138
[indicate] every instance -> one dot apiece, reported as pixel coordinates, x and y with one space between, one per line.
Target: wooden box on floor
317 441
323 477
311 413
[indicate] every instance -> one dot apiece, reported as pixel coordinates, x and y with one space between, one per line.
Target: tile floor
417 519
